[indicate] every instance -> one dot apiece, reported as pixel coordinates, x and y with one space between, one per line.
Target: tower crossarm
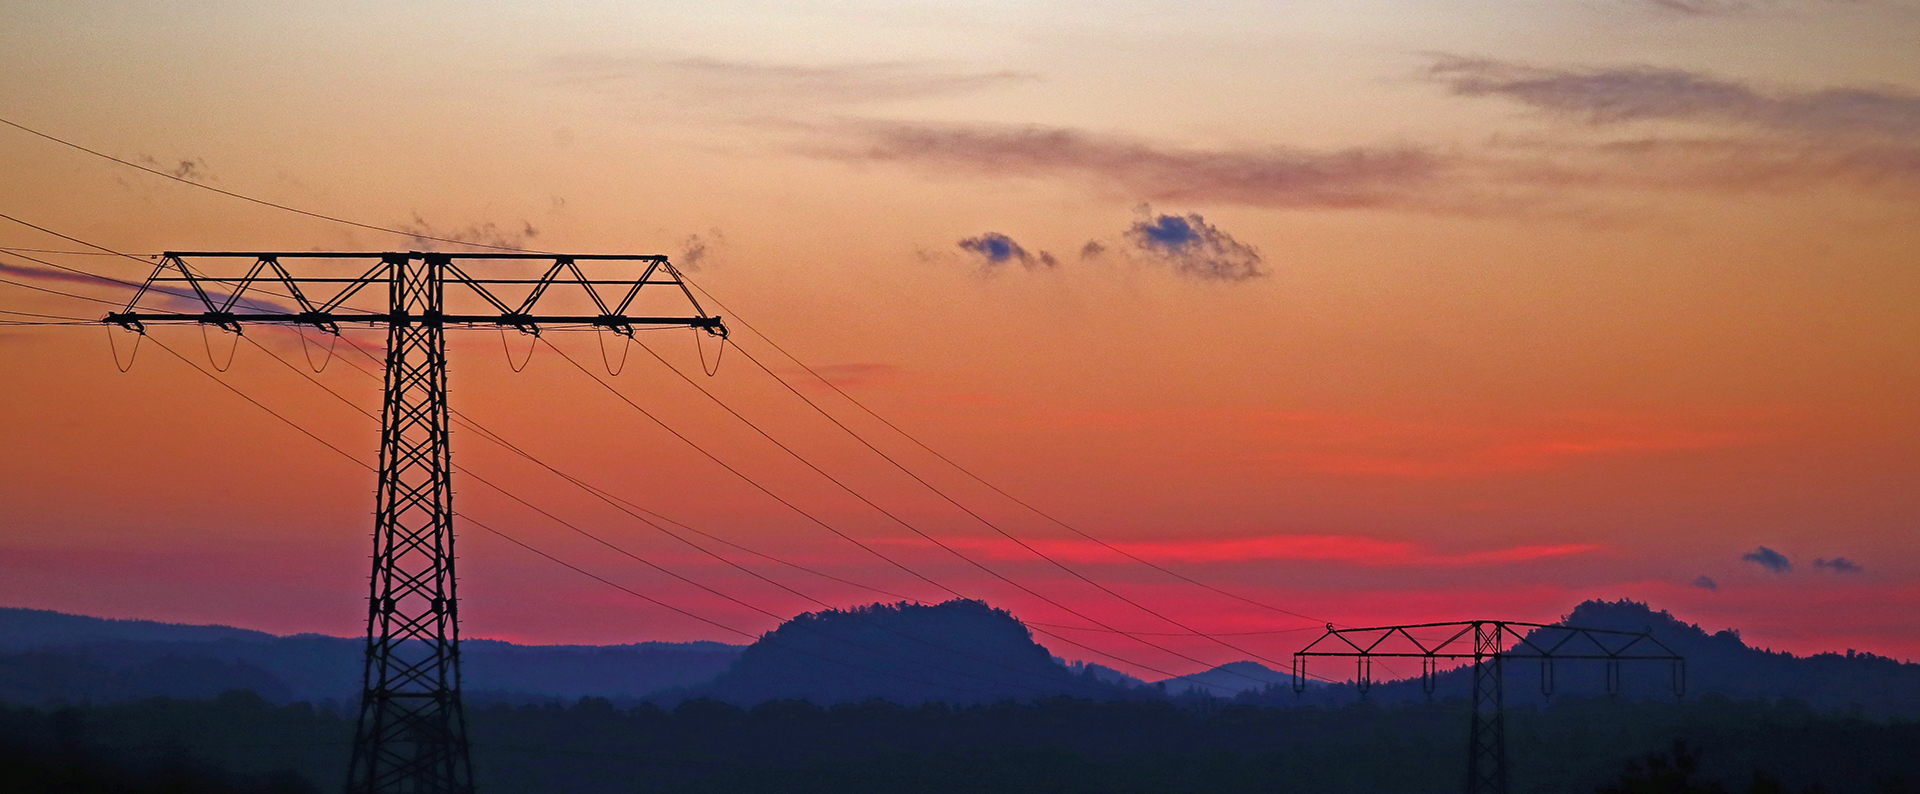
619 292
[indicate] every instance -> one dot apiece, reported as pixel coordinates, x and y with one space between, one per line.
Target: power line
57 292
103 249
964 470
619 503
963 508
657 602
625 505
662 569
917 531
723 306
49 316
243 197
54 251
717 302
876 506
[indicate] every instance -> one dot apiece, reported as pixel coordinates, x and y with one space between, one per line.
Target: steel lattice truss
1489 644
411 735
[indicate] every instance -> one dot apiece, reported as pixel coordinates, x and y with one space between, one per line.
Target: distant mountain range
956 652
51 656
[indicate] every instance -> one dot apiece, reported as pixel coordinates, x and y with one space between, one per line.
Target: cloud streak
1268 177
1300 548
1838 565
1627 94
1711 8
776 86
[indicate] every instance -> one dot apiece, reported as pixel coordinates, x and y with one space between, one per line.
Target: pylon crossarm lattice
411 735
1488 644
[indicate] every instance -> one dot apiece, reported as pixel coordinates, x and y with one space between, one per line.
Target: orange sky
1481 309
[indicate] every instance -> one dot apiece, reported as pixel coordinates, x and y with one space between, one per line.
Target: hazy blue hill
23 629
1230 679
570 672
1719 663
50 656
956 652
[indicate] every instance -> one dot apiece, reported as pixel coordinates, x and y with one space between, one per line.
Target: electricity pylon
411 735
1487 642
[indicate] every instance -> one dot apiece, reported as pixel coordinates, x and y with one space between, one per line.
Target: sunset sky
1371 310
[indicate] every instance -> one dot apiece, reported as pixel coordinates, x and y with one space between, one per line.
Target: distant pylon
1486 643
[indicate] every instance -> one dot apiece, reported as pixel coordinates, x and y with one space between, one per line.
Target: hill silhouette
960 651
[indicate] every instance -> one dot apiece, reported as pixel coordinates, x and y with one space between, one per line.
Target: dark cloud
996 249
775 86
1195 248
1271 177
1624 94
1769 559
1092 250
1838 565
192 169
697 249
1705 583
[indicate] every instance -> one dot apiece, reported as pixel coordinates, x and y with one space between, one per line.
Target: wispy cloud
1720 8
1705 583
1271 177
853 375
1838 565
1639 127
1769 559
1623 94
774 88
1302 548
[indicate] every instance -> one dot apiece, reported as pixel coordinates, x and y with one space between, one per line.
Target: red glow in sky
1375 312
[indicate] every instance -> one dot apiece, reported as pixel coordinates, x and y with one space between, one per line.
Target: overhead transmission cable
962 469
469 473
963 508
931 539
243 197
414 235
657 602
717 302
862 498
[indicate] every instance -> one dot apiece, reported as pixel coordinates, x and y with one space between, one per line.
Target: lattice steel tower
1489 644
411 736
